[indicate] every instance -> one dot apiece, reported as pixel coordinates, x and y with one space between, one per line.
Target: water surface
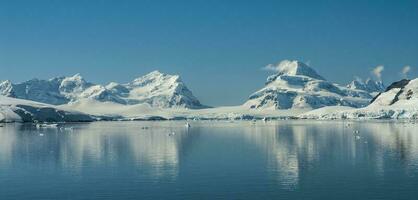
210 160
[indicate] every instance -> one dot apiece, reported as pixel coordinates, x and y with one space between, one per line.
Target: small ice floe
187 125
358 137
68 128
41 134
171 134
46 125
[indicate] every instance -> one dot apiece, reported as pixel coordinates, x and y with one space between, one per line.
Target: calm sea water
210 160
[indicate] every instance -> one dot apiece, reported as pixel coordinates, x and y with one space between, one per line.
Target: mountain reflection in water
245 160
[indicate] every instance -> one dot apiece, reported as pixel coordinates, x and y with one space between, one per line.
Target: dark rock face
374 98
398 84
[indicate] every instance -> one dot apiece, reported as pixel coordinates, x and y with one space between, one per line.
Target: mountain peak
294 68
76 77
73 84
8 82
155 77
6 88
296 85
155 73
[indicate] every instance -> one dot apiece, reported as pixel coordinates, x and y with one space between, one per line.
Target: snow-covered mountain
156 89
399 101
400 93
298 86
54 91
371 86
6 88
19 110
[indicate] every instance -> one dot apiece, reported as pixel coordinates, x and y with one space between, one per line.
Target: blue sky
218 47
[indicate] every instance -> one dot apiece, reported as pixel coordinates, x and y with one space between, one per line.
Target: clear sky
218 47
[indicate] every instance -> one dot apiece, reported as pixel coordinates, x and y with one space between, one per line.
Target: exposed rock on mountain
18 110
399 93
399 101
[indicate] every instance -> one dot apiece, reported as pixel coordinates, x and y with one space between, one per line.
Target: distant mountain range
156 89
370 86
294 90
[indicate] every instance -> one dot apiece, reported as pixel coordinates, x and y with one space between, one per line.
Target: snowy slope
161 90
111 110
6 88
399 101
298 86
18 110
156 89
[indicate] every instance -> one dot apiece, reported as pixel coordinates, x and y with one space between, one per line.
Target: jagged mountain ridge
296 85
156 88
369 85
55 91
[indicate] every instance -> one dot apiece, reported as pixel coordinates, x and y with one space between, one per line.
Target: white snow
370 112
294 68
19 110
369 85
6 108
399 102
161 90
329 112
145 111
156 88
6 88
295 91
297 86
